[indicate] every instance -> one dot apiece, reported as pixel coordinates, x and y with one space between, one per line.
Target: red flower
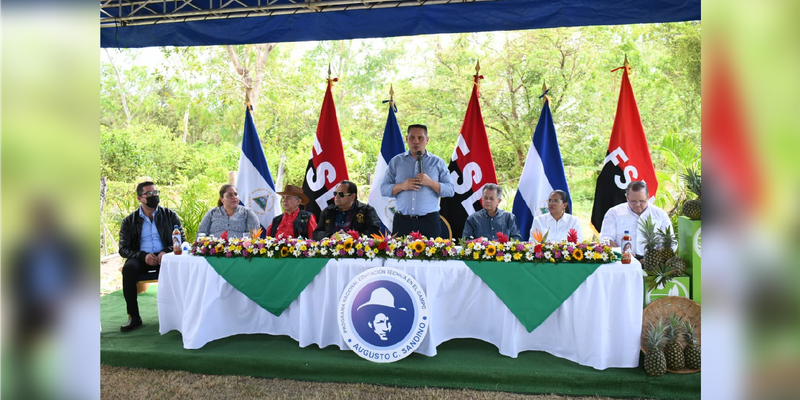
382 245
224 235
354 234
572 236
502 238
416 235
538 248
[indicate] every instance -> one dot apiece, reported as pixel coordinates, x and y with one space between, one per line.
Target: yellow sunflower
418 246
491 250
284 251
348 244
577 254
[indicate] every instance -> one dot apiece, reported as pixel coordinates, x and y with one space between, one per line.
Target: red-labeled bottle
627 248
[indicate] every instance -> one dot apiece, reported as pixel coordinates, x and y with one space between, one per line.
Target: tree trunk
186 122
121 87
281 172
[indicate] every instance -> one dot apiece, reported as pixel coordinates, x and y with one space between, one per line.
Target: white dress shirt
558 229
620 218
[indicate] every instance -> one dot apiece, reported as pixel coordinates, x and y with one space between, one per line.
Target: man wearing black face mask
144 237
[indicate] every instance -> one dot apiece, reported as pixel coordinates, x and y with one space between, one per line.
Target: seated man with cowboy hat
294 222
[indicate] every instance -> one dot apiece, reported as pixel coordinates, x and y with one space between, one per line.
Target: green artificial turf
462 363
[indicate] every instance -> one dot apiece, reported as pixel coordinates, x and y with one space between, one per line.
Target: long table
599 325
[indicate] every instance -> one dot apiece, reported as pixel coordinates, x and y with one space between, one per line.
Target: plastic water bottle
177 240
627 251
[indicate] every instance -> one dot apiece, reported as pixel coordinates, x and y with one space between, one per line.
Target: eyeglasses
150 193
341 194
637 201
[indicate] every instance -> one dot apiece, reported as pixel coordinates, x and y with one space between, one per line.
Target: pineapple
671 260
691 208
673 350
691 353
647 229
655 364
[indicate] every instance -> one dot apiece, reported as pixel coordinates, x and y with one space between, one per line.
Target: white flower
588 255
605 257
323 251
528 256
371 254
547 254
351 251
296 253
270 253
507 257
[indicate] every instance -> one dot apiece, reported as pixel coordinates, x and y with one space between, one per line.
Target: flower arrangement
413 246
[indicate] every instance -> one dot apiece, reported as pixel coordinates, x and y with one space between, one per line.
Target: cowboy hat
380 297
292 190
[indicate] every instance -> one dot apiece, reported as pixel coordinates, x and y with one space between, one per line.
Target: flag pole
391 95
545 98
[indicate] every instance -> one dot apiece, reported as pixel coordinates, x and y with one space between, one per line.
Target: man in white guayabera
380 323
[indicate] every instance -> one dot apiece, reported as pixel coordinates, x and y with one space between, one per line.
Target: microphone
419 160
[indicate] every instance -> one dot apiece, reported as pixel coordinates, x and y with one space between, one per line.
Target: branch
235 60
121 88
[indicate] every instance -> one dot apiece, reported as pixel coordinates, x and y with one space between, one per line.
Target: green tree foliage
186 105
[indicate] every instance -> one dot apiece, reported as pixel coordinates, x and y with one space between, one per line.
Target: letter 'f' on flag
254 182
627 159
326 167
391 146
543 173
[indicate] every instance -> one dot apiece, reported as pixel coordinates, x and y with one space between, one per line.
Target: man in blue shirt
144 237
417 179
490 220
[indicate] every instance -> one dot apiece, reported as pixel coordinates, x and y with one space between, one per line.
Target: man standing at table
417 179
144 237
625 217
491 220
294 222
347 213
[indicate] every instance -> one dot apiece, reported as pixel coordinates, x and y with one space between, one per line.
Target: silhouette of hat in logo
380 297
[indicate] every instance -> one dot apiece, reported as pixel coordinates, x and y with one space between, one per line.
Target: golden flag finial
545 98
477 67
391 92
329 71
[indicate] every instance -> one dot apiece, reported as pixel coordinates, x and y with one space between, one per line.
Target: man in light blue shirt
417 179
490 220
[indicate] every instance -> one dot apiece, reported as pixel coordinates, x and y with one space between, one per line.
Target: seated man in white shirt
557 222
626 217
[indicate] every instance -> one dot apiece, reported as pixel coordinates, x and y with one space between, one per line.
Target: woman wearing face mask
229 216
557 221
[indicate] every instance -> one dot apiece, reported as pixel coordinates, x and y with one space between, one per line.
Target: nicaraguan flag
543 173
255 185
391 146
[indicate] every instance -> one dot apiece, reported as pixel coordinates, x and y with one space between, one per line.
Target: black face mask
152 201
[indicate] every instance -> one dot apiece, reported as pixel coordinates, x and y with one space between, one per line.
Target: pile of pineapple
691 208
664 351
660 261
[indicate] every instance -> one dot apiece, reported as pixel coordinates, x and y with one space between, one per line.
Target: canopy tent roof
143 23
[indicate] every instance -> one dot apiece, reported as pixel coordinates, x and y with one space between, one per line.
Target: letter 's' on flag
471 167
254 182
326 167
627 159
391 146
543 173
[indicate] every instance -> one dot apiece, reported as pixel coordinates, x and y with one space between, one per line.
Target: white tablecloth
598 326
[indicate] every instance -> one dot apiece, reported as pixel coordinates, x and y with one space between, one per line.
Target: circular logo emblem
697 242
383 314
262 201
389 209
